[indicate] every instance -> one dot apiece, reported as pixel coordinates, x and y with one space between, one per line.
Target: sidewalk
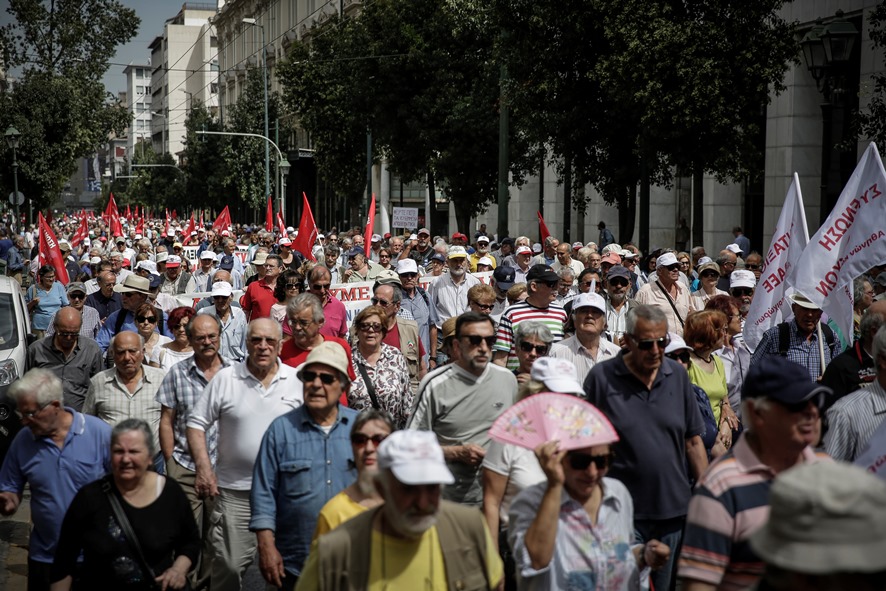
14 548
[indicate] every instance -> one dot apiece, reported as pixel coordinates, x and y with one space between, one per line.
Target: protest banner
189 254
241 253
405 217
770 306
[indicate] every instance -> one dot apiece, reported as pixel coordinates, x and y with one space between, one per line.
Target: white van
15 326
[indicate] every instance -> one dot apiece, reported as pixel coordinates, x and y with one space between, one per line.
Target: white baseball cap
742 278
222 288
558 375
523 249
733 248
592 299
666 260
407 266
414 457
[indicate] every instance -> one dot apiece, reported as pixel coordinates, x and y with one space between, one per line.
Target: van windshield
9 336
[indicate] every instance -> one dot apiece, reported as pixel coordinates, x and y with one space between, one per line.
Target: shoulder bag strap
670 301
369 387
125 526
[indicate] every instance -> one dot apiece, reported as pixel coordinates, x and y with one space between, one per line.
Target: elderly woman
708 276
576 529
147 321
44 298
532 339
734 353
382 374
290 284
156 509
179 348
384 259
368 431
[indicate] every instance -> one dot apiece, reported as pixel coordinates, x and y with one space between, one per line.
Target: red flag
542 228
128 215
370 223
168 225
269 216
140 227
113 217
203 223
81 233
223 221
49 250
307 231
189 229
281 226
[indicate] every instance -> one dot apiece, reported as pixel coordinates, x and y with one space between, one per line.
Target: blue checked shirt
802 351
180 390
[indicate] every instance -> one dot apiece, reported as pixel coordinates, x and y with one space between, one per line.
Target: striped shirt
554 317
853 420
729 504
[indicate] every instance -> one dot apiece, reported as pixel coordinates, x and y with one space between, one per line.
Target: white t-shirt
521 468
244 409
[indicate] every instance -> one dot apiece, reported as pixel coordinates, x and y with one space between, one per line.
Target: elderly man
201 279
17 260
798 339
304 460
450 292
412 519
134 292
175 279
331 254
360 267
649 400
548 256
127 390
754 264
541 285
306 317
61 451
564 259
567 290
741 286
727 261
854 419
243 400
232 319
116 258
618 285
420 248
178 395
460 401
259 296
418 302
91 322
74 359
481 251
731 500
319 282
402 333
667 293
586 348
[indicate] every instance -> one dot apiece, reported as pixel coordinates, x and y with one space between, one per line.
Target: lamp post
264 63
12 138
827 49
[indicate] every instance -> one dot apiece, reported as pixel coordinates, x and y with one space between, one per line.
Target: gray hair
879 347
278 328
566 273
549 241
725 256
651 314
43 385
858 289
870 324
127 425
397 296
372 414
332 250
533 329
305 300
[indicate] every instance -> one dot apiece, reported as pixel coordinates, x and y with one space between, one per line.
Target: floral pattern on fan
543 417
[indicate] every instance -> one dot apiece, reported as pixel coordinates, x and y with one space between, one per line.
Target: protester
90 321
667 293
587 347
179 348
44 298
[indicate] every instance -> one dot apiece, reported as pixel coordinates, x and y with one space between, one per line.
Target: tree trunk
697 206
627 213
431 221
644 207
567 201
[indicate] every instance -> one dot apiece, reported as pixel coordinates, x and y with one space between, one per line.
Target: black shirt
105 306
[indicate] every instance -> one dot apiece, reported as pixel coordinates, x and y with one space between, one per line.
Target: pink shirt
336 324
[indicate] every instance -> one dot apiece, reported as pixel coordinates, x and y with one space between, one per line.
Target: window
139 90
141 108
147 90
213 88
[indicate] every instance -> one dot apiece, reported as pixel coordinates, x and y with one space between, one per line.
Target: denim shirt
298 469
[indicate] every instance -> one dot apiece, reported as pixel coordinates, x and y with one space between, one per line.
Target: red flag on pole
81 233
128 215
281 225
269 216
307 231
113 217
370 223
189 229
542 228
49 250
140 227
223 221
168 225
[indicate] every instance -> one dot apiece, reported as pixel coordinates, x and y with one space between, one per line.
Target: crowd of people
170 438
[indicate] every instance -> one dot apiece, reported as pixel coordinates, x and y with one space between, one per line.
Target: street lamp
12 138
264 65
284 167
827 50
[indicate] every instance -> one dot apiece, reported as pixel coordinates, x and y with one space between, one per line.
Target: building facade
138 99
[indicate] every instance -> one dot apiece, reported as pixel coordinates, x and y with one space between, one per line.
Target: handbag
369 387
125 526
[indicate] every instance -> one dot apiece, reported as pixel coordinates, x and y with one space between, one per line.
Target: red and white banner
307 231
770 305
849 243
49 250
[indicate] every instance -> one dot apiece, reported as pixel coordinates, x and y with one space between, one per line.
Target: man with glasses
68 354
741 286
91 323
319 282
754 264
315 439
541 285
650 402
134 292
727 261
460 401
64 451
586 348
416 301
242 400
259 297
450 291
730 503
402 332
177 396
618 303
232 345
667 293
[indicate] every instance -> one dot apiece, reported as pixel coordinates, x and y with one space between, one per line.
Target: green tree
207 184
59 105
871 123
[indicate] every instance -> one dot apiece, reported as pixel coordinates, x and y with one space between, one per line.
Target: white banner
850 242
405 217
873 459
769 306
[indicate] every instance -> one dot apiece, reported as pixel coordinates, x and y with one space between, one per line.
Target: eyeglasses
475 339
259 340
300 322
647 344
293 285
674 267
320 286
487 307
33 413
742 291
753 267
529 347
380 302
795 407
370 327
81 296
141 319
327 378
580 461
709 275
359 439
408 276
384 256
684 263
68 335
682 356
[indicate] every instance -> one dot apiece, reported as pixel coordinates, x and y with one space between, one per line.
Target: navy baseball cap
542 273
504 277
438 257
777 378
355 251
618 271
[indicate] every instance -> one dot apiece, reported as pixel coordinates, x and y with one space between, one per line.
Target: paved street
14 548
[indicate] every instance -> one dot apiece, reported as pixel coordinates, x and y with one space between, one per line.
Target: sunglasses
380 302
529 347
68 335
580 461
293 285
370 327
475 340
327 378
753 267
150 319
486 307
742 291
673 267
646 344
320 286
682 356
408 275
359 439
618 283
795 407
709 274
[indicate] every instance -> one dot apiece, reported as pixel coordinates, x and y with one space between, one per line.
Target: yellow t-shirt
336 511
713 384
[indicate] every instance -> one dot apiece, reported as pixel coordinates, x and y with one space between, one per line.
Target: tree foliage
871 123
207 183
59 104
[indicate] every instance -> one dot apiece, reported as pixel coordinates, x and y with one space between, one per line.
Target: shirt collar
307 420
747 461
609 496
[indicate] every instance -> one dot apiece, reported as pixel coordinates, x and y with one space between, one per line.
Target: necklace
708 359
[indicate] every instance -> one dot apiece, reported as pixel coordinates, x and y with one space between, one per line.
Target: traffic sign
17 198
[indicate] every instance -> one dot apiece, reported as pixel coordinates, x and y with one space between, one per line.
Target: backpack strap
784 338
